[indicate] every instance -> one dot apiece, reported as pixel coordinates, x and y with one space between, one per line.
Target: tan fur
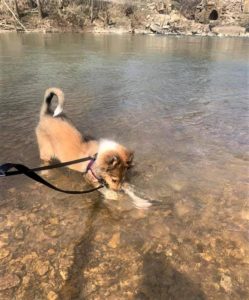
58 138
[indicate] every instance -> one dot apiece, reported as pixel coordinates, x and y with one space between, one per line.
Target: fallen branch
13 14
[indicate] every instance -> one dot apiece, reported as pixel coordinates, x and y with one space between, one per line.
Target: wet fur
58 138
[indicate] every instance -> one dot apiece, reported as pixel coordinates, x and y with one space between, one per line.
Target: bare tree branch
17 8
91 11
13 14
39 6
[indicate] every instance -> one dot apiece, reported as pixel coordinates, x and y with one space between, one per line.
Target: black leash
4 169
21 169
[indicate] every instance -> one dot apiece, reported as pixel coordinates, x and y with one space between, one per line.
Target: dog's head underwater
111 164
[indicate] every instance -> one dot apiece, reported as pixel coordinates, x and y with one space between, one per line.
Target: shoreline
121 31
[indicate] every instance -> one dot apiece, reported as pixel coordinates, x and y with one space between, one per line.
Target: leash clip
4 168
103 183
2 173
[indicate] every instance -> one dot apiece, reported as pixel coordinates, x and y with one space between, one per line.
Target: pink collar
89 168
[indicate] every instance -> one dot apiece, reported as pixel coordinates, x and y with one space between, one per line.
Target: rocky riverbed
54 246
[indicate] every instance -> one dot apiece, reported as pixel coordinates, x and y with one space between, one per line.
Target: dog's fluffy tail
46 106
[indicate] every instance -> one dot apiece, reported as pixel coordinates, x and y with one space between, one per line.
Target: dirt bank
188 17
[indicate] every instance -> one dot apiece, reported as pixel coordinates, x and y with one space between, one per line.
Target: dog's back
56 136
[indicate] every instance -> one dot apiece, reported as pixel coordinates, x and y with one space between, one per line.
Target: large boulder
155 28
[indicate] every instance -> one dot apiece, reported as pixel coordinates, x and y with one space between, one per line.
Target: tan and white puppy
58 138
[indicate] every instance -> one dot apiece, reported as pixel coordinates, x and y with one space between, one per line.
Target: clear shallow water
182 105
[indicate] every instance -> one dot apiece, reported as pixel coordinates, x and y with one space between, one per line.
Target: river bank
140 18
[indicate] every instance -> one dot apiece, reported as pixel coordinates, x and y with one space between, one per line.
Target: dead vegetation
188 8
62 12
142 16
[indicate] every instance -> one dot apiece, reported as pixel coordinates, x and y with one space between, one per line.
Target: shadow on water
161 281
73 287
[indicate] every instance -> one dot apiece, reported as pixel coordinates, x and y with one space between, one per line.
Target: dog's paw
109 194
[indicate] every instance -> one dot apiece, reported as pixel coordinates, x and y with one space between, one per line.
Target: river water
182 104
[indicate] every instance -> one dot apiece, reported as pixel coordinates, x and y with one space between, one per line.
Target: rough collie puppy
58 138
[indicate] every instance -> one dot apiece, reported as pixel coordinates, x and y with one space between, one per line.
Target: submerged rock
4 253
42 267
245 215
52 296
52 230
183 208
64 274
226 282
19 233
115 240
9 281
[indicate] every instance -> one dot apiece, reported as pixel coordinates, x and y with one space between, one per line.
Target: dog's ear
112 161
129 158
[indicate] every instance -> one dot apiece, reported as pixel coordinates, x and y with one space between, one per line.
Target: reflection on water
182 105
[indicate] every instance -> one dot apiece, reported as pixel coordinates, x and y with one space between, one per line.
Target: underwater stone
8 281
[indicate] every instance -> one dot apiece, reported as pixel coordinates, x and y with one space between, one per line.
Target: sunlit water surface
182 104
